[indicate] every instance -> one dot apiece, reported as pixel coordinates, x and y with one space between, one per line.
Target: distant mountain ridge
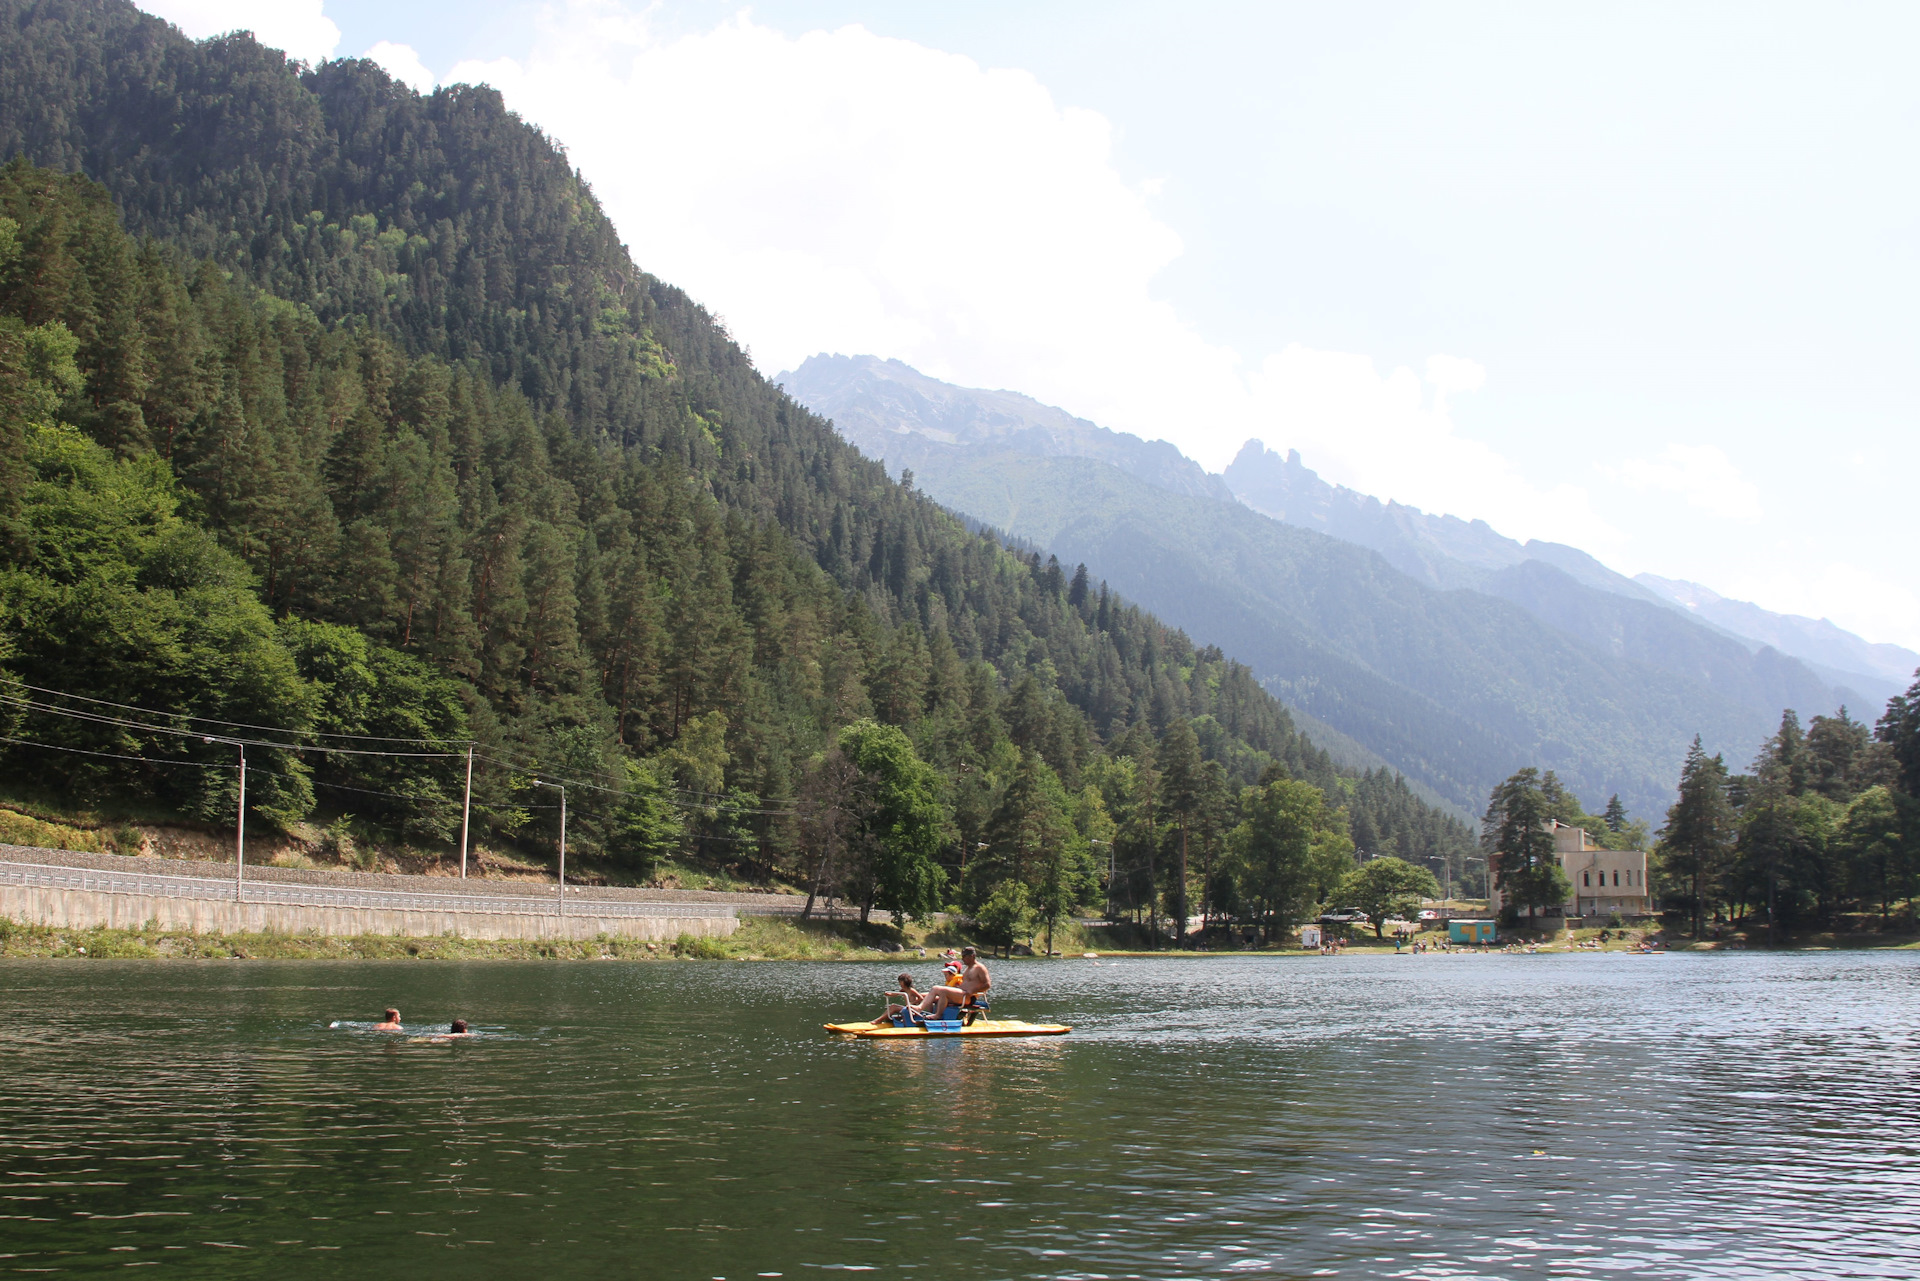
1456 655
1440 551
1445 551
892 411
1816 641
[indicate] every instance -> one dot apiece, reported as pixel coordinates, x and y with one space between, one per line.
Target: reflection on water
1428 1117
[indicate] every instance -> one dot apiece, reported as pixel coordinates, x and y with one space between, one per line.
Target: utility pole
977 847
240 823
466 813
1094 840
563 841
240 830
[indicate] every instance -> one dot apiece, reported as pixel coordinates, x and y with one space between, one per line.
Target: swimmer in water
457 1032
391 1023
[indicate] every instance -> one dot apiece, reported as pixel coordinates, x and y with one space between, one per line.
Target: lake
1421 1117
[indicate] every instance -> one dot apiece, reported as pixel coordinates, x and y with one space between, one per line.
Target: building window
1616 878
1586 878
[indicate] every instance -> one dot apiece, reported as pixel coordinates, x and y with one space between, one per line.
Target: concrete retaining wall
751 904
93 909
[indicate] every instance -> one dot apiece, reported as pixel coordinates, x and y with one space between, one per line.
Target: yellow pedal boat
953 1027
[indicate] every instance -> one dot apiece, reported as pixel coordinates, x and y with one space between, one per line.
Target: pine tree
1834 746
1785 760
1899 729
1616 815
1183 792
1697 842
1517 833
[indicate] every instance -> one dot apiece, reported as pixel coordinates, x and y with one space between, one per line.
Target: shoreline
758 939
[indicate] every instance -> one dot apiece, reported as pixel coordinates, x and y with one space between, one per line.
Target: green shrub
699 948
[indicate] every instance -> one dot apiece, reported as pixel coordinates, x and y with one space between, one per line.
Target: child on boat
911 995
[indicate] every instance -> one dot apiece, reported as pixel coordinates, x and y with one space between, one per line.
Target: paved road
262 891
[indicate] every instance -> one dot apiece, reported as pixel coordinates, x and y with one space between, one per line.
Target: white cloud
403 64
1385 435
296 26
841 191
1703 475
1450 374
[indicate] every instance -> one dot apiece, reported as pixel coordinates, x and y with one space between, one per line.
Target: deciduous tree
1384 887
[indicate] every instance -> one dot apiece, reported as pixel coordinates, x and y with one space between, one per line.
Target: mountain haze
1441 551
1879 670
1445 551
1453 653
912 422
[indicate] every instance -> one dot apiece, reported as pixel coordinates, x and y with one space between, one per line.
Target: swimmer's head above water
391 1023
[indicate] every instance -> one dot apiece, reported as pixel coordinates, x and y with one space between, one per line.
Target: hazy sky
1637 278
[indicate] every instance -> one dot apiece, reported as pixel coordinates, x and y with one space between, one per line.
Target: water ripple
1426 1118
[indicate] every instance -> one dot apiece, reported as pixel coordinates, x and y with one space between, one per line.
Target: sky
1637 278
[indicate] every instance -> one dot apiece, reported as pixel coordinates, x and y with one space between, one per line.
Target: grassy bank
759 938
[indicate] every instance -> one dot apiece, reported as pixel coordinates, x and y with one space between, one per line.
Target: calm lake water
1435 1116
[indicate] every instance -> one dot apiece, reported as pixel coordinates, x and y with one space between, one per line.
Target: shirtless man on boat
973 981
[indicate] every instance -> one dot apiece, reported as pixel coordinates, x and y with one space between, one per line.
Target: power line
523 763
123 723
707 800
208 720
81 751
712 800
418 801
48 709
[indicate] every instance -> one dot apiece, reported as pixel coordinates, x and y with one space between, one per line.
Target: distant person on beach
391 1023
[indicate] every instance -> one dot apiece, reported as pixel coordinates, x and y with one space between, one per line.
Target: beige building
1604 881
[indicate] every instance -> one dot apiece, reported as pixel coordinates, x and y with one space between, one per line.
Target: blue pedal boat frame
953 1019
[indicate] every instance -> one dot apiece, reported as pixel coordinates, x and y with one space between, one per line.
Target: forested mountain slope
382 393
1450 687
1536 654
